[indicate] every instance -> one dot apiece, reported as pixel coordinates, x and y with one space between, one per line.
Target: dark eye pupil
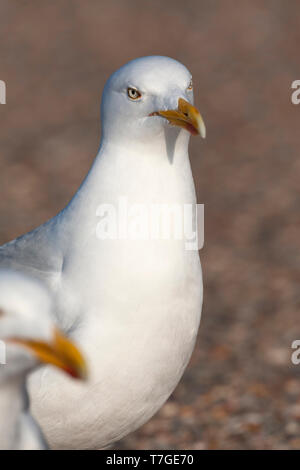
132 93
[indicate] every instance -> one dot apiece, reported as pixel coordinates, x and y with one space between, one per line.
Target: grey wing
36 253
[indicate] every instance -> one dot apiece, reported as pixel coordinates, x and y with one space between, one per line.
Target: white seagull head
28 331
147 95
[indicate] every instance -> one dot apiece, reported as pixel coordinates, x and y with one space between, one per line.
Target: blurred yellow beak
61 353
186 116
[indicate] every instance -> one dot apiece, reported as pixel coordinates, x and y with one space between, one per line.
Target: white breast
135 307
139 343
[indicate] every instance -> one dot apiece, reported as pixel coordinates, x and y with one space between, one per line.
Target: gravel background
240 390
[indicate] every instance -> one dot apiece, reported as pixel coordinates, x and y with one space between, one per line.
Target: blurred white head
31 339
28 331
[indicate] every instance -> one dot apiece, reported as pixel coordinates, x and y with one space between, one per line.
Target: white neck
141 177
138 171
13 400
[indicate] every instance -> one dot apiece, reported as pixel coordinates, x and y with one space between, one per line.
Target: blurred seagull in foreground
30 338
133 305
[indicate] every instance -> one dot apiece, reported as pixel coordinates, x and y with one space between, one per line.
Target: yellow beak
61 353
186 116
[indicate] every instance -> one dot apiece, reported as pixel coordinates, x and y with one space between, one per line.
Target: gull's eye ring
190 87
133 93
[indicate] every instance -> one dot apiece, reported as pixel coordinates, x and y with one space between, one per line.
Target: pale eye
133 93
190 87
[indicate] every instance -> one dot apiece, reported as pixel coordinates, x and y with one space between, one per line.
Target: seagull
132 304
30 337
